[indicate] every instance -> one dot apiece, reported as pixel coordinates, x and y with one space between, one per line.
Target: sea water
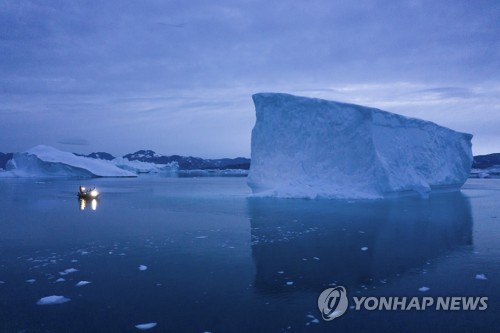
200 255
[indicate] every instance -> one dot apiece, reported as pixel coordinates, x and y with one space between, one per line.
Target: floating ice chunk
347 151
2 282
481 277
68 271
364 248
82 283
145 326
316 258
289 283
60 280
424 289
201 237
51 300
281 272
143 267
31 281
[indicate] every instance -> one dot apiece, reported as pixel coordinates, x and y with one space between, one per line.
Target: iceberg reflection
318 242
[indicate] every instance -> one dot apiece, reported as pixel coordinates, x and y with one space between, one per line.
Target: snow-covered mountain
98 155
486 161
189 162
183 162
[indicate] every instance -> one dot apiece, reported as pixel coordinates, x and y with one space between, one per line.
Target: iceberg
312 148
46 161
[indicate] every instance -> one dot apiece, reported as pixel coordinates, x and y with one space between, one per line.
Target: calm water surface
218 261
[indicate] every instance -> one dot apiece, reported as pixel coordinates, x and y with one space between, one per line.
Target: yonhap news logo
333 303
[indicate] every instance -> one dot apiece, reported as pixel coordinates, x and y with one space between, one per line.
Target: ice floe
143 267
51 300
424 289
481 277
82 283
145 326
68 271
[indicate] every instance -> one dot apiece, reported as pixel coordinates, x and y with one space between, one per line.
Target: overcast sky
177 76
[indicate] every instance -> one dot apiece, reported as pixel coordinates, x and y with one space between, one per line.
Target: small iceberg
143 267
51 300
424 289
145 326
364 248
68 271
82 283
31 281
481 277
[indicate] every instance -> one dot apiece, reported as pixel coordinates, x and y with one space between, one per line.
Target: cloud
125 68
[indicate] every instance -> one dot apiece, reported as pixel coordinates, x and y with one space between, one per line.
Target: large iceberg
313 148
46 161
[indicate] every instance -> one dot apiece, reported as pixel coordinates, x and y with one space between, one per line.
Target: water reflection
314 243
84 203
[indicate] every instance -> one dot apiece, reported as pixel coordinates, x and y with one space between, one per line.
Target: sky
177 76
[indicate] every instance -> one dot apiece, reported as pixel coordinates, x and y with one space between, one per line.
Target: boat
90 193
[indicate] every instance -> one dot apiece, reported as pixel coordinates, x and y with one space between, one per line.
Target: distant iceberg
45 161
313 148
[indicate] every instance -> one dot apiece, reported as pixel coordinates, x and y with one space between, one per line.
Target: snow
312 148
145 326
51 300
46 161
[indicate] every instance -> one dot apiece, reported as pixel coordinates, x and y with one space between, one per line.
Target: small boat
85 193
